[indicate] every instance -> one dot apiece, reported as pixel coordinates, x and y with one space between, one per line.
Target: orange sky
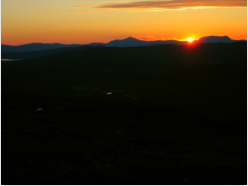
87 21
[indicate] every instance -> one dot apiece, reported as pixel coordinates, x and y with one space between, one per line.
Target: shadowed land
187 124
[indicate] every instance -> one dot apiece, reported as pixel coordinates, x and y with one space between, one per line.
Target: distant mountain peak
127 42
131 39
226 37
214 39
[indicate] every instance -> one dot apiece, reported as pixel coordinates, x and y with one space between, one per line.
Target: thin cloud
100 4
176 4
79 13
82 6
149 37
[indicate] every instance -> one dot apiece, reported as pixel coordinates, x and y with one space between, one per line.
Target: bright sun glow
190 40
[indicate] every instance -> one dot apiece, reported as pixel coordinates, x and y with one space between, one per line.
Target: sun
190 39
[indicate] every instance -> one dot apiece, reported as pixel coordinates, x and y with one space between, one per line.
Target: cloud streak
79 13
176 4
82 6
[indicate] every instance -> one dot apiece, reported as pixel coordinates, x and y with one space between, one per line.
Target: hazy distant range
39 49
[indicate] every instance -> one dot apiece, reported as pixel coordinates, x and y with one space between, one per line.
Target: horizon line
135 37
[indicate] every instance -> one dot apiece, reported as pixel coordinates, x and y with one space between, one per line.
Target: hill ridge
127 42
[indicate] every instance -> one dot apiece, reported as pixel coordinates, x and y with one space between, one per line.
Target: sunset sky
87 21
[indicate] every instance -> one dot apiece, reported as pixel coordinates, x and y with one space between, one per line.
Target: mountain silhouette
214 39
127 42
133 42
34 47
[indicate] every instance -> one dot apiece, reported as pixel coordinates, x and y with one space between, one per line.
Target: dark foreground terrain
176 115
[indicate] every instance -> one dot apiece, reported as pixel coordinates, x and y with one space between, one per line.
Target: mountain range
34 47
128 42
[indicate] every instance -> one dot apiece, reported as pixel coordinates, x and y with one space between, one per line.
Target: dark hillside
176 115
34 47
156 57
33 54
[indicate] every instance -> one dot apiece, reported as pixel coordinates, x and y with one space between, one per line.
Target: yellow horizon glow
190 39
